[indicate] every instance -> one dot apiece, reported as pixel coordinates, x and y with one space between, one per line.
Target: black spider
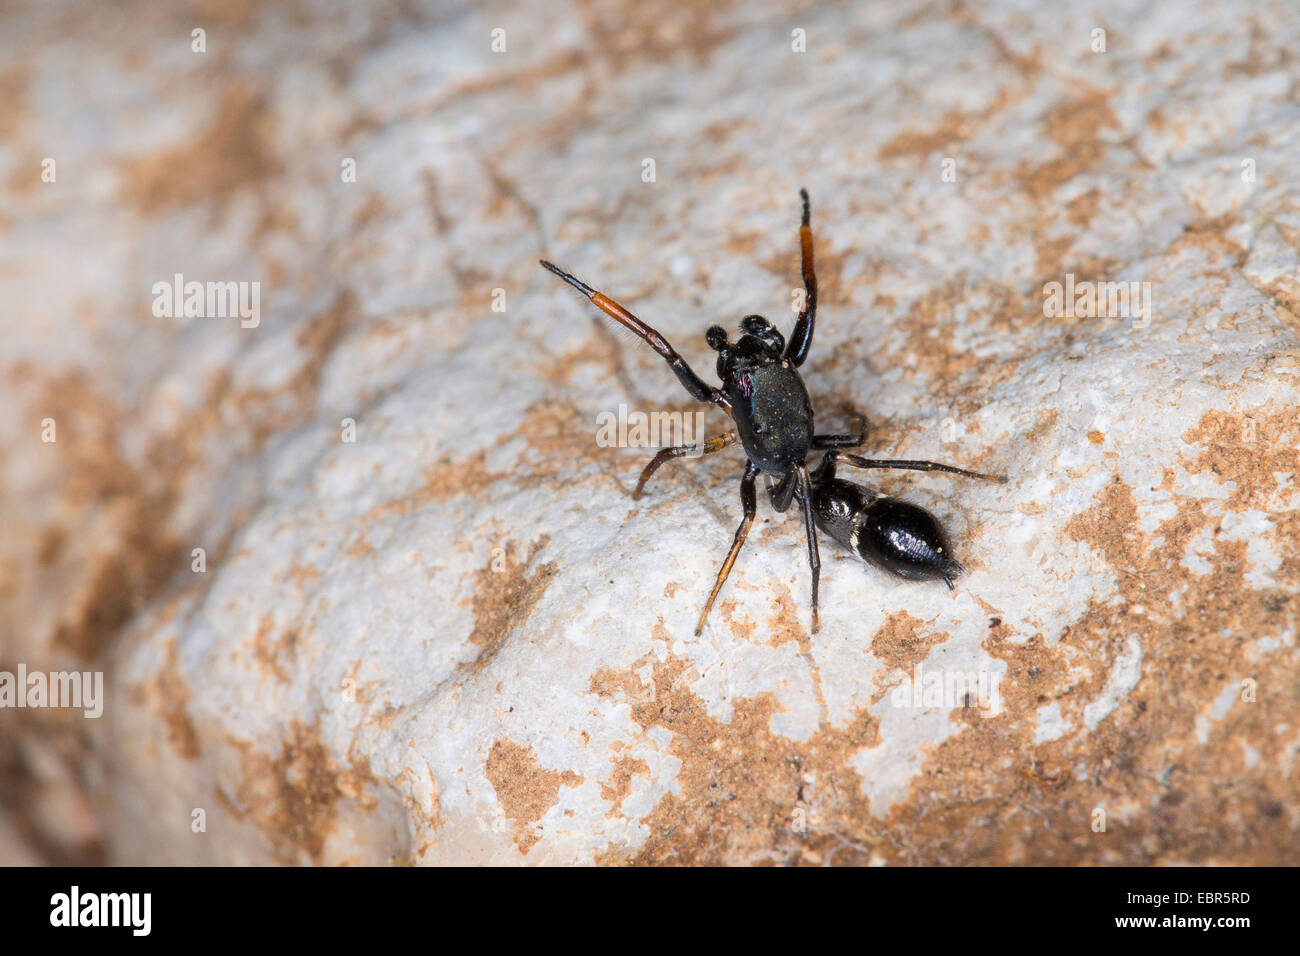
765 396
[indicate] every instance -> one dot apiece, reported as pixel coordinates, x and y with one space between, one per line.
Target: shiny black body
769 402
765 396
902 538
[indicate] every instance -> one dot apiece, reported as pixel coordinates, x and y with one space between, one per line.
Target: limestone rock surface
431 625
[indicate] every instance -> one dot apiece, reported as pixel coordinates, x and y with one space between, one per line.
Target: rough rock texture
456 638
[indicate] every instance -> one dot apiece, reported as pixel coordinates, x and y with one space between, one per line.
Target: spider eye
761 329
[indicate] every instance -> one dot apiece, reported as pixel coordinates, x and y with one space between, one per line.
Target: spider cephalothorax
769 402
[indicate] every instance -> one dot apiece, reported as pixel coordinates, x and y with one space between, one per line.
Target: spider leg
825 470
814 558
801 338
749 503
822 442
782 494
679 451
914 465
699 389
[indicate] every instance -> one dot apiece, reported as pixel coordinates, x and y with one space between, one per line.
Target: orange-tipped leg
698 388
748 502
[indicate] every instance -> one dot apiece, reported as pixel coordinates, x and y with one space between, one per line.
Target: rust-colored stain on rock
504 596
524 788
902 641
234 152
172 693
295 795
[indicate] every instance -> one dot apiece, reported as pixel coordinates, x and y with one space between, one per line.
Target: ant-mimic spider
765 396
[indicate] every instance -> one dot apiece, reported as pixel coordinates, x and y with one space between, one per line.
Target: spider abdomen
902 538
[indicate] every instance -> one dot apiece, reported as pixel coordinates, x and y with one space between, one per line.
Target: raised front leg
698 388
801 338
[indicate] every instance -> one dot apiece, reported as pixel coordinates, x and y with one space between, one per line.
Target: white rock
456 639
